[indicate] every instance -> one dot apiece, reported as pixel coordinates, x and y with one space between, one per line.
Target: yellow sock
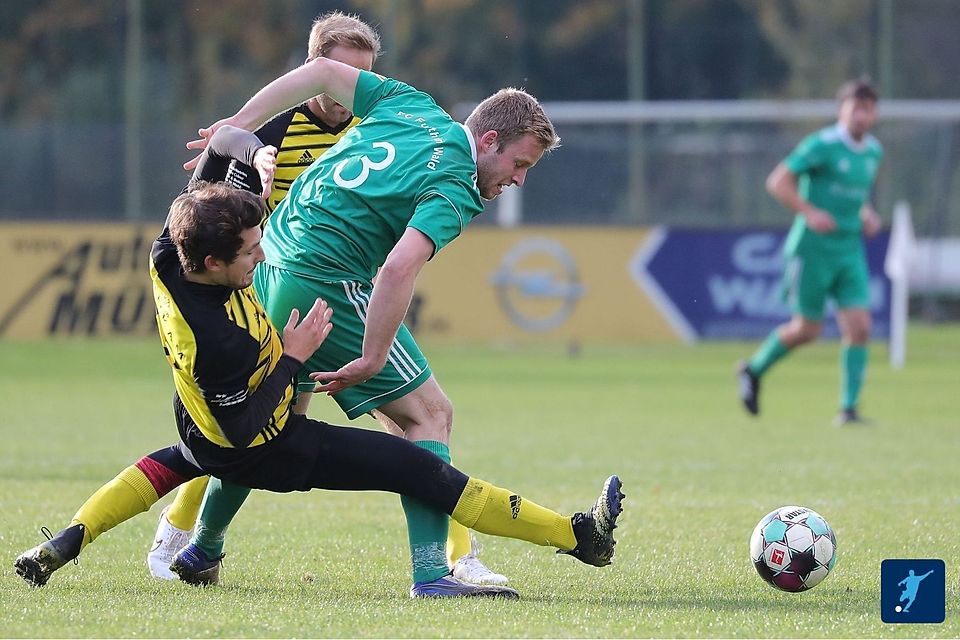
490 509
185 507
128 494
458 542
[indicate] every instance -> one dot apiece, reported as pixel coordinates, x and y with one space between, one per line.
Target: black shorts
308 454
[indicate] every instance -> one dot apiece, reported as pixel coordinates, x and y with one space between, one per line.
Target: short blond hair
338 28
513 113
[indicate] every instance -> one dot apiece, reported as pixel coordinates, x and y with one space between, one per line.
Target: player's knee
442 417
802 331
860 332
438 413
433 422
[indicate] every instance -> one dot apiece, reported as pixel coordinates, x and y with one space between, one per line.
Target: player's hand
820 221
265 162
301 339
871 222
201 143
350 374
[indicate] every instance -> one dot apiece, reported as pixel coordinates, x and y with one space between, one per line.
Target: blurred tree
823 43
54 53
63 59
925 50
709 49
228 49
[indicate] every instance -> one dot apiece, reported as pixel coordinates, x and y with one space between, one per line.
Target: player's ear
212 264
488 141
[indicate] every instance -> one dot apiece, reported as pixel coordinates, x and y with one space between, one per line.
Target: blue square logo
912 591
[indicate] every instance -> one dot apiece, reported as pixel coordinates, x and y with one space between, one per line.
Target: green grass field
698 475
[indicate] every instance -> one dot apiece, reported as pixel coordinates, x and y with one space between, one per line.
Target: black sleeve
227 144
240 416
241 173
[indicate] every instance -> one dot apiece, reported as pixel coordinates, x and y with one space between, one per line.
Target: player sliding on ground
235 383
304 132
399 187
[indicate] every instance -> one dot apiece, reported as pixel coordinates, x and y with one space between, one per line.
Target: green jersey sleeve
809 155
371 88
439 217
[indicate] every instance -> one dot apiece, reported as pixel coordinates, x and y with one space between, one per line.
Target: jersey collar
848 140
320 124
473 143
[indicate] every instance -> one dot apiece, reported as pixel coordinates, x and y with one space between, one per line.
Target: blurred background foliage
81 79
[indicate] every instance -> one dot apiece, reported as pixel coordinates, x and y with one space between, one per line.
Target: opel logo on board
537 284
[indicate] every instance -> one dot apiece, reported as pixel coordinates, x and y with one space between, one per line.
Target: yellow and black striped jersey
300 138
219 341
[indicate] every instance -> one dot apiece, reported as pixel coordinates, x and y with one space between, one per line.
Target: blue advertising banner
727 284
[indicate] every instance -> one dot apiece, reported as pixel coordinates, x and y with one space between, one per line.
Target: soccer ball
793 548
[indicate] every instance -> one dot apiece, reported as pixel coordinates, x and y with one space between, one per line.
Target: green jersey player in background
826 181
400 186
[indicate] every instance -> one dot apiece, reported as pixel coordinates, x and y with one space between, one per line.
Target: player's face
239 273
499 167
332 112
858 116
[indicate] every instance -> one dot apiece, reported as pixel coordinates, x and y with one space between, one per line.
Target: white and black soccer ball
793 548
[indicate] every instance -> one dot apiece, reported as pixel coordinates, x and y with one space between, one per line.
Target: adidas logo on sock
306 158
515 506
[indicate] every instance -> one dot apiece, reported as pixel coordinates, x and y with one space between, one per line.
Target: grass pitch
698 474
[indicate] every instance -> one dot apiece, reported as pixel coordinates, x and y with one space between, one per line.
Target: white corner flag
897 266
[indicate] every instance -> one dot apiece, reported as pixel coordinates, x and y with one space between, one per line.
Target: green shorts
281 291
808 282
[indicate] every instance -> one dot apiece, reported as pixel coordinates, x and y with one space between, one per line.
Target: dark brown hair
859 89
208 219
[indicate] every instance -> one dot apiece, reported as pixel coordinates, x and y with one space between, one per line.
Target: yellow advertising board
62 279
490 285
568 283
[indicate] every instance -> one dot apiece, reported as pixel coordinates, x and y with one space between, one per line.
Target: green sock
769 352
853 364
427 528
220 505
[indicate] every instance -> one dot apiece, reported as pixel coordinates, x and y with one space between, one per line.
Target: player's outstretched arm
388 306
322 75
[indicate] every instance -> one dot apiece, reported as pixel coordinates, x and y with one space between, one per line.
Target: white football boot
168 541
470 569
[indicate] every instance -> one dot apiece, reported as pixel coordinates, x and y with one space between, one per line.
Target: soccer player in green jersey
826 180
301 135
235 388
400 186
